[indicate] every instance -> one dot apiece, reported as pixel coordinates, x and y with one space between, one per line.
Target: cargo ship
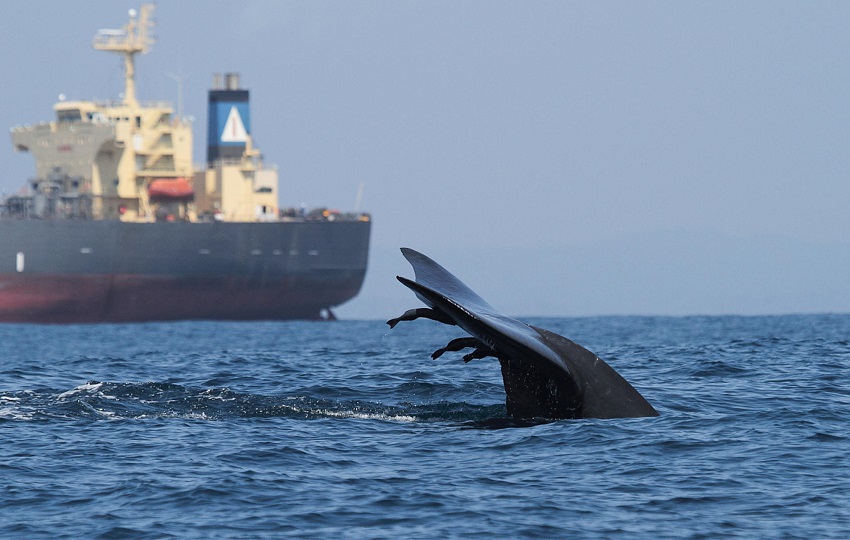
119 225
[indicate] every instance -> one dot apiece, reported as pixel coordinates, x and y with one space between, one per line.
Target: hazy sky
562 158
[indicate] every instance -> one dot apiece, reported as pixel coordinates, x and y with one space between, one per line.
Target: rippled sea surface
348 429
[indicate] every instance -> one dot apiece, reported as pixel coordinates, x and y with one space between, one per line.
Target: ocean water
350 430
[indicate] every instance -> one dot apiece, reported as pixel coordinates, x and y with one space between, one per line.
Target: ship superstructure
236 185
97 160
132 161
119 225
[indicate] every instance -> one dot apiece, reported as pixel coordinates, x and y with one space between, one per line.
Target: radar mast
136 37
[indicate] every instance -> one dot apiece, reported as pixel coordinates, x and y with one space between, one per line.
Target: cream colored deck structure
100 158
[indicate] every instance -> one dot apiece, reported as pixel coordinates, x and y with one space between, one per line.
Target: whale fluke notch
545 374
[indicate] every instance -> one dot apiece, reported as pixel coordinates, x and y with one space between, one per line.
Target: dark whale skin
545 374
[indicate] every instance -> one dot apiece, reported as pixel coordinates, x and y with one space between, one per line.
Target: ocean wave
112 401
195 430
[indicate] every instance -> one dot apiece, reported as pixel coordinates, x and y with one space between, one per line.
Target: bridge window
70 115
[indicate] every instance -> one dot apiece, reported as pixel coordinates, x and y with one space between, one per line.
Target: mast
136 37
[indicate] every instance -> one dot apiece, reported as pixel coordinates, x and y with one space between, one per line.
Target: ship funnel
229 120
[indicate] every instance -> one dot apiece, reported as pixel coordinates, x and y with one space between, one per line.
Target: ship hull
106 271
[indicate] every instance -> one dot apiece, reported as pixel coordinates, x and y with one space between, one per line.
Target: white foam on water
83 388
367 416
215 393
9 413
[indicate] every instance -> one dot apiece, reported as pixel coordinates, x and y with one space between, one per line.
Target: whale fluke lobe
545 374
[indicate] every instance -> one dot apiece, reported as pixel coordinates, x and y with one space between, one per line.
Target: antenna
136 37
179 81
359 197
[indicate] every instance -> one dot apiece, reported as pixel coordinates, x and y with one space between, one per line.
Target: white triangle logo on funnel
234 129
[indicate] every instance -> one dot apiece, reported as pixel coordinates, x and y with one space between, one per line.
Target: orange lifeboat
171 190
